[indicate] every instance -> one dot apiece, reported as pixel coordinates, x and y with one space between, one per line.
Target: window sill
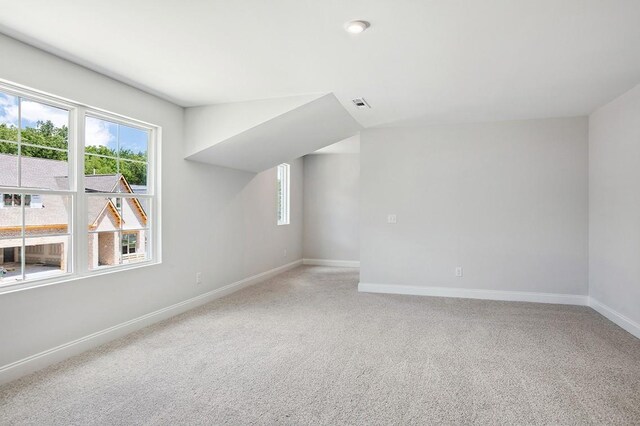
69 277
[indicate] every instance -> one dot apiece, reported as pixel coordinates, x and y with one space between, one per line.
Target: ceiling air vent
361 103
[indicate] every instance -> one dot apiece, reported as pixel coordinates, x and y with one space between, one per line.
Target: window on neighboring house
15 200
94 189
35 201
129 242
283 208
11 200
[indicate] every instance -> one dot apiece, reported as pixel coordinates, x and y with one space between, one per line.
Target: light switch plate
392 218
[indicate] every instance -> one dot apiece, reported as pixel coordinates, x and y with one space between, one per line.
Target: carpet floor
306 348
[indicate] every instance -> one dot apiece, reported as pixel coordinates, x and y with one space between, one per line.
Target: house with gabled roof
116 224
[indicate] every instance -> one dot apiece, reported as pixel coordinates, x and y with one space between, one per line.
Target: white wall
291 134
506 201
331 207
614 206
217 221
233 118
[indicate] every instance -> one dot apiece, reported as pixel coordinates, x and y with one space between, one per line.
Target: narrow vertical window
283 194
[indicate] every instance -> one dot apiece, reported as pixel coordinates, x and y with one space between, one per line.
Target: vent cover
361 103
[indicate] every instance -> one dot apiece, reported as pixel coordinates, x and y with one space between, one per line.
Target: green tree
46 135
8 133
100 165
134 171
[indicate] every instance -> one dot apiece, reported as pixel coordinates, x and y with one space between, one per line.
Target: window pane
44 125
282 202
44 168
133 143
8 117
10 261
279 190
8 164
113 148
47 214
135 174
46 256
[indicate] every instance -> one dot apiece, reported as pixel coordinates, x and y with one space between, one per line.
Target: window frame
129 242
283 180
78 231
150 195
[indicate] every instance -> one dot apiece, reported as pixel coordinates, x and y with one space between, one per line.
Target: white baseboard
328 262
513 296
51 356
615 317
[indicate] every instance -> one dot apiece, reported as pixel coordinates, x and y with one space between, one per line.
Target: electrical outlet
285 252
459 271
198 278
392 218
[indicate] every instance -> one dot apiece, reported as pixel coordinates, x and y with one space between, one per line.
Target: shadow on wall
235 212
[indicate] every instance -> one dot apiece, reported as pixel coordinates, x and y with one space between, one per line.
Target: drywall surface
614 205
505 201
233 118
216 221
300 131
331 206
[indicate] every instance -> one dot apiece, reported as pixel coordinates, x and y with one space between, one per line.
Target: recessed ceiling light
356 27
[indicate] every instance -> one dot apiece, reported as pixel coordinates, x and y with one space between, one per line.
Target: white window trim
78 258
285 200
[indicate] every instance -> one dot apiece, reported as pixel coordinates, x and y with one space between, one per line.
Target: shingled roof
53 174
36 172
101 183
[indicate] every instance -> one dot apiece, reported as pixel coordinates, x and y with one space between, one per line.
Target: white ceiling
421 60
299 131
349 145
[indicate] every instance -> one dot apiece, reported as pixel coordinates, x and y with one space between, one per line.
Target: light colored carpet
307 348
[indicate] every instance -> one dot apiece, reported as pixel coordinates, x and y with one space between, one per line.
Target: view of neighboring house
116 225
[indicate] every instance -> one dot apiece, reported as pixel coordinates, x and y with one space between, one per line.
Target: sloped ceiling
420 61
255 136
347 146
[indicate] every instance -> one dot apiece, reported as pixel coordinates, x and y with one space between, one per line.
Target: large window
283 194
116 161
77 189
